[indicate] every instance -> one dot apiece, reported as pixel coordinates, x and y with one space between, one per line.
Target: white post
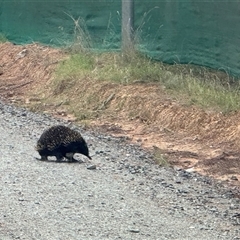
127 25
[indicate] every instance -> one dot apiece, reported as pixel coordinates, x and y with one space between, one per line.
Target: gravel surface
120 194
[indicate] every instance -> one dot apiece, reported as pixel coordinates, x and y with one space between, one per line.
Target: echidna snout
61 141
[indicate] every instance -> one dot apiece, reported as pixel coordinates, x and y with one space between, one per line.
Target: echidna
61 141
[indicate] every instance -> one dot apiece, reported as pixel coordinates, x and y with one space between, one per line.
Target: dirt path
127 196
190 138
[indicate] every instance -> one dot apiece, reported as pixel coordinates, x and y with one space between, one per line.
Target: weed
159 157
81 38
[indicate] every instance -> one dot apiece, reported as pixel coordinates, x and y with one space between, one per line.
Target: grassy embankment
188 84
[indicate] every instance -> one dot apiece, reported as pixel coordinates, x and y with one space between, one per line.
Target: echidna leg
69 157
43 158
59 157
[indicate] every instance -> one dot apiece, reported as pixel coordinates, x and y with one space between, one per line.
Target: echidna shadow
61 141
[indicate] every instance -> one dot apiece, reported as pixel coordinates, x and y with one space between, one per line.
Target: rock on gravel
126 196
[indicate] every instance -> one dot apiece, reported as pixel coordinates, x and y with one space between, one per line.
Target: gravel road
125 197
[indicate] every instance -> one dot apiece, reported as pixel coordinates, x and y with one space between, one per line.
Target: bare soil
189 137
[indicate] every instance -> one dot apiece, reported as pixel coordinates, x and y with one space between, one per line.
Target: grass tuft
75 66
81 38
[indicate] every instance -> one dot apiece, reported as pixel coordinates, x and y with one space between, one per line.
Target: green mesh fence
58 22
198 32
184 31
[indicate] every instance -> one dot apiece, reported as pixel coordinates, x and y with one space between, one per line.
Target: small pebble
234 178
178 181
91 167
134 230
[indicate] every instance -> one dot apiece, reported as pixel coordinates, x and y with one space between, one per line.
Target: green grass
212 95
207 93
190 84
75 66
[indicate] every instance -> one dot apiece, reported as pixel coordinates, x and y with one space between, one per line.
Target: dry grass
81 41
